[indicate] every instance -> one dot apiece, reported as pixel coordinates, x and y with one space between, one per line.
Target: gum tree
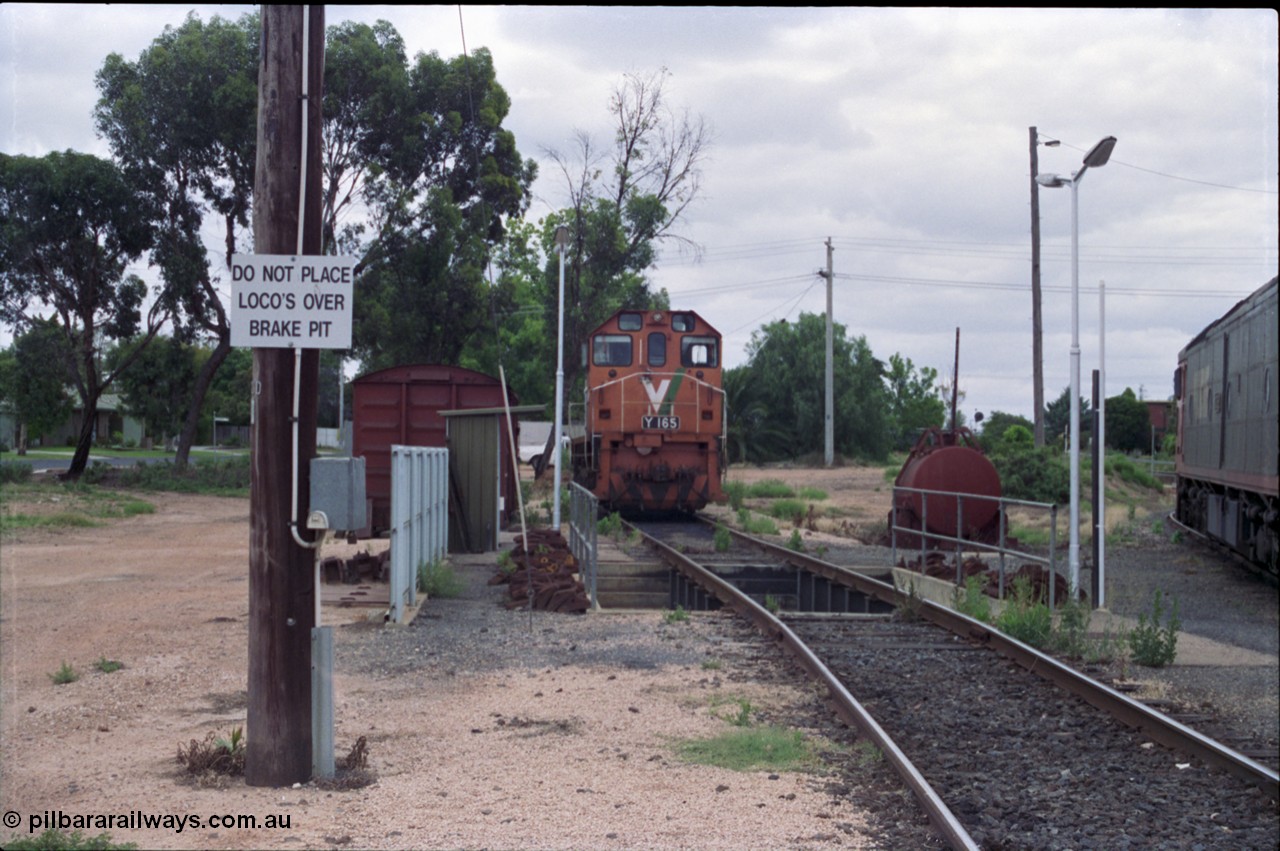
71 225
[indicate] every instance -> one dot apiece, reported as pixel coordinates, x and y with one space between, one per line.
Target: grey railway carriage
1226 388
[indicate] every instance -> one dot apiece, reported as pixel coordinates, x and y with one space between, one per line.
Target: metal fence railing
1000 547
584 513
419 518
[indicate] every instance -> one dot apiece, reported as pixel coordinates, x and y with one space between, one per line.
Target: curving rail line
1130 712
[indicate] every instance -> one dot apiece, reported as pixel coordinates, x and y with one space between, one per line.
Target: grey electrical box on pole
337 494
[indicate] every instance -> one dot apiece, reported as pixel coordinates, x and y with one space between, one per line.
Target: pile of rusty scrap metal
361 567
548 571
1037 576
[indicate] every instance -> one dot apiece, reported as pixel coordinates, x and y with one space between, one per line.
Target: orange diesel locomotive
652 437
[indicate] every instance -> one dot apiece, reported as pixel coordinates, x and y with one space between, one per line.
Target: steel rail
846 706
1151 722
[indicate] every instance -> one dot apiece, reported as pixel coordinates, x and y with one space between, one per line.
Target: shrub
1036 475
1025 618
973 601
437 579
1154 644
788 509
722 539
795 542
13 472
736 492
214 754
610 526
65 674
74 841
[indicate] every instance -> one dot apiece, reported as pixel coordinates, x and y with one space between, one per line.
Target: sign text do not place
291 301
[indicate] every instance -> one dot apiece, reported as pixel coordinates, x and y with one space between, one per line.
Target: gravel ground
1218 600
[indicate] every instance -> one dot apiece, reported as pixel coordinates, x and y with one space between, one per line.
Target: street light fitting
562 237
1052 181
1100 153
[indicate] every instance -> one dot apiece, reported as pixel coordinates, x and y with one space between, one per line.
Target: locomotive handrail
1001 547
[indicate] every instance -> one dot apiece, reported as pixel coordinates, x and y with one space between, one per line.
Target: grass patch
770 489
1026 618
753 525
812 494
108 666
65 674
735 492
57 505
677 615
437 579
744 749
14 471
216 477
57 840
792 510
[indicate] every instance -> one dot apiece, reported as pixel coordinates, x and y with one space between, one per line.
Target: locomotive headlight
657 317
698 374
613 373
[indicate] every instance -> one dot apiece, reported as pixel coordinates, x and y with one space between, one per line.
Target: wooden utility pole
1037 333
281 572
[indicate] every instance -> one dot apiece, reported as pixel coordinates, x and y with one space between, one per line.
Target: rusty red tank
947 460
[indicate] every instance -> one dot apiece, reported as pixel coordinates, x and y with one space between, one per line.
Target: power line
1179 177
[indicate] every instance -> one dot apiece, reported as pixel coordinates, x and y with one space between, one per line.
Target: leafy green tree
751 435
1057 417
230 395
786 362
447 184
70 227
366 105
182 122
156 386
523 335
999 422
623 203
914 403
1128 423
34 377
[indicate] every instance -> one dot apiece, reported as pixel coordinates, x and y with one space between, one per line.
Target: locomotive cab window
629 322
657 349
699 351
611 350
682 322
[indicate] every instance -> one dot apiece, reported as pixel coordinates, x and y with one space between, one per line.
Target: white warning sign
285 301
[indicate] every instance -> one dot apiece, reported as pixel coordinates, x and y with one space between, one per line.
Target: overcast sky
900 134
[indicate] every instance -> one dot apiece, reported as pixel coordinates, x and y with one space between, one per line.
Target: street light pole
1096 158
562 241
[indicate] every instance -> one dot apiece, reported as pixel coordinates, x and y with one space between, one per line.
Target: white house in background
533 439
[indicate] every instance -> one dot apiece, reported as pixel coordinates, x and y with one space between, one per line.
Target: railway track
1005 749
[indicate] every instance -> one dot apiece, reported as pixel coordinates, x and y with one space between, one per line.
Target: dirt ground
166 594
